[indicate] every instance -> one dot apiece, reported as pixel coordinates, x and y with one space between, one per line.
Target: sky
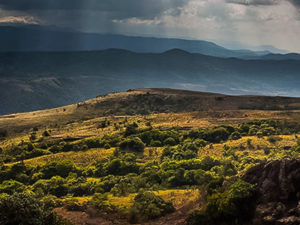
232 23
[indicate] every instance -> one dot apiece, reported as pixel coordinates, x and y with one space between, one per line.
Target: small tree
149 206
235 135
133 144
3 133
46 133
25 209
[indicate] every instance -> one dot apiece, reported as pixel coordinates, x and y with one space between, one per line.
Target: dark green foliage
18 172
25 150
33 136
156 136
235 135
267 131
192 172
51 201
117 166
234 206
121 167
103 124
60 168
91 143
131 129
200 143
274 139
186 150
217 135
170 141
3 133
46 133
78 186
55 186
154 143
100 202
132 144
214 135
270 127
24 209
149 206
11 186
72 204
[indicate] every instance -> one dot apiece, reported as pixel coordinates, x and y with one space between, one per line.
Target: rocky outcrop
278 192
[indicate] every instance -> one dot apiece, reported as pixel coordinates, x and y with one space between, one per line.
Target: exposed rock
278 187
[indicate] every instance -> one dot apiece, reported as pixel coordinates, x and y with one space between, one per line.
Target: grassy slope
153 101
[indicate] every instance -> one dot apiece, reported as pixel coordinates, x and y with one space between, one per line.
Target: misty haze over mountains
43 38
45 67
38 80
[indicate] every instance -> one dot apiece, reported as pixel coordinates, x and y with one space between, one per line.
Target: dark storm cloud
296 3
254 2
119 8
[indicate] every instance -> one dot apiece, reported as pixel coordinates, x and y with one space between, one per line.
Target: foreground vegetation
139 171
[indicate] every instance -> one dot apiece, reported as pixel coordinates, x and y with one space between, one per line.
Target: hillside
146 102
153 156
32 81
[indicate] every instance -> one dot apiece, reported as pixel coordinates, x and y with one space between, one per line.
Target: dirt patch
83 218
176 218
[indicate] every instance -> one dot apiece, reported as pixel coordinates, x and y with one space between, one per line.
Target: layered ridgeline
47 38
38 80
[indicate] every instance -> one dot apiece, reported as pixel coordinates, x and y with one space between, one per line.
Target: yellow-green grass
179 198
255 149
82 158
69 123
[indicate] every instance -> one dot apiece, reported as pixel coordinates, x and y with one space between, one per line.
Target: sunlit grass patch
83 158
179 197
254 145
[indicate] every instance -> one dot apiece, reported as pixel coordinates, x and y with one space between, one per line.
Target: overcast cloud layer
250 22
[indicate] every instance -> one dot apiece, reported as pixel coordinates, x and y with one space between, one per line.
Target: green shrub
155 143
11 186
200 143
170 141
235 135
267 131
46 133
234 206
217 135
33 136
60 168
92 143
72 204
118 166
3 133
100 202
131 129
26 210
149 206
133 144
274 139
55 186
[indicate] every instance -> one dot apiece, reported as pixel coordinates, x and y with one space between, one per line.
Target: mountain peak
176 51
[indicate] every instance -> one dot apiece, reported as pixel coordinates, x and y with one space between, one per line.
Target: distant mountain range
40 38
293 56
38 80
